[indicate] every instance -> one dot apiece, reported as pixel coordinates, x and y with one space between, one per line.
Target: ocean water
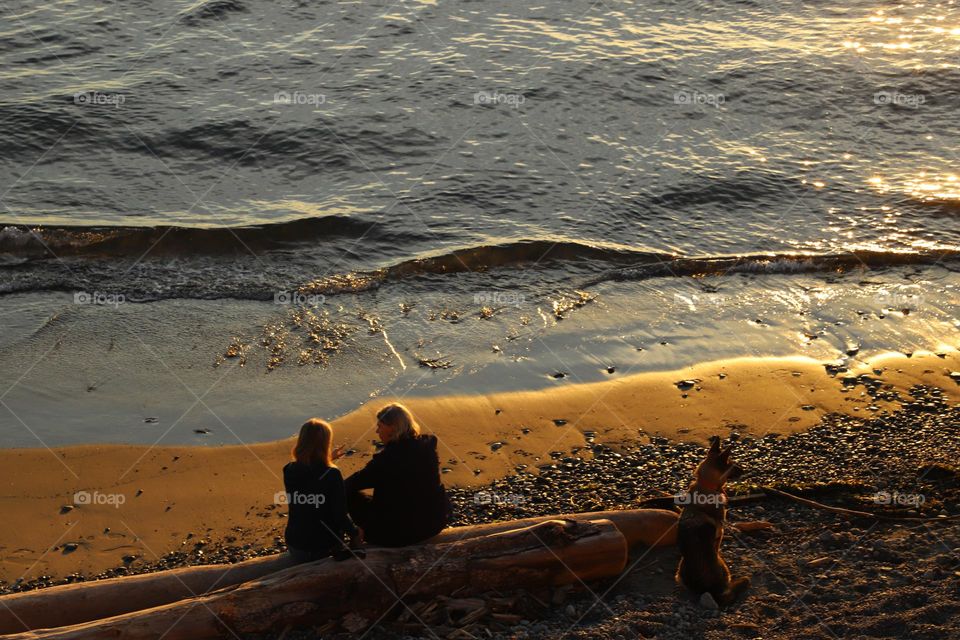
487 192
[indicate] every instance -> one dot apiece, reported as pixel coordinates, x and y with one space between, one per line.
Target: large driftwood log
550 553
652 527
75 603
72 603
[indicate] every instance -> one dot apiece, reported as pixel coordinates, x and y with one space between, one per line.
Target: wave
647 264
104 242
629 264
290 256
782 263
476 259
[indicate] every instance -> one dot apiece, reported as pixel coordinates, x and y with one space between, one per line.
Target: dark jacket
317 507
409 501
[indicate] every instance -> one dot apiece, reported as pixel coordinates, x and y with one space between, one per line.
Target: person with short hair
317 518
409 502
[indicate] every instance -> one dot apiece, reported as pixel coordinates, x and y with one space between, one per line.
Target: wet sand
148 504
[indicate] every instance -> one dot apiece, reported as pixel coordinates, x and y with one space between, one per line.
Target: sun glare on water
906 33
923 186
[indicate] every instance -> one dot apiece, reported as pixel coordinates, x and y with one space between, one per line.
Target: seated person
409 503
318 516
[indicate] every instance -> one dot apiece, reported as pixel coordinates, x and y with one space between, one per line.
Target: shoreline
261 367
175 498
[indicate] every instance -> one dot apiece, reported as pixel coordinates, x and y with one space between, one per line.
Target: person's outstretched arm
368 477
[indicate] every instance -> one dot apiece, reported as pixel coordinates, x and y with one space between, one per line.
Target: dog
700 530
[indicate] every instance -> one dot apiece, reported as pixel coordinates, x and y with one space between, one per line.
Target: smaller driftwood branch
851 513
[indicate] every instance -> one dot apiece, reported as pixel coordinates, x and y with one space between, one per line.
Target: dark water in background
727 162
416 129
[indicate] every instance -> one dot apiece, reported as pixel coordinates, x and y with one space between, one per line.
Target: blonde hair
315 443
399 417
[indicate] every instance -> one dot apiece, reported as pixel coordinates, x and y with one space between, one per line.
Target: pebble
708 603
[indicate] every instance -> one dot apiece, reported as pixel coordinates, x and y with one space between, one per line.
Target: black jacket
409 501
317 507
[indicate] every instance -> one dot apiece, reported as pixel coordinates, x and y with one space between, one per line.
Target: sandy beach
102 509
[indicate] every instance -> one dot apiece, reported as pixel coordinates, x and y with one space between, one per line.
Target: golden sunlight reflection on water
917 35
924 186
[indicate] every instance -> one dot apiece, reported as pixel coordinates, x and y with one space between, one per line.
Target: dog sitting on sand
700 530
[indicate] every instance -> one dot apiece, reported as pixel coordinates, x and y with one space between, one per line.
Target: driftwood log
651 527
554 552
81 602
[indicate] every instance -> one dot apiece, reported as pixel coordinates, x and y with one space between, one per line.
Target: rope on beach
856 514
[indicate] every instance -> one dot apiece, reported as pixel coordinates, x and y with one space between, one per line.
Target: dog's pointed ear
714 447
725 454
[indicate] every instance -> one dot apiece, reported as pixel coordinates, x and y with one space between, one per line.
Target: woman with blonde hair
318 518
409 502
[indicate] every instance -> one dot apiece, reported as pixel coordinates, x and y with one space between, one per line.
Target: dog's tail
734 591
